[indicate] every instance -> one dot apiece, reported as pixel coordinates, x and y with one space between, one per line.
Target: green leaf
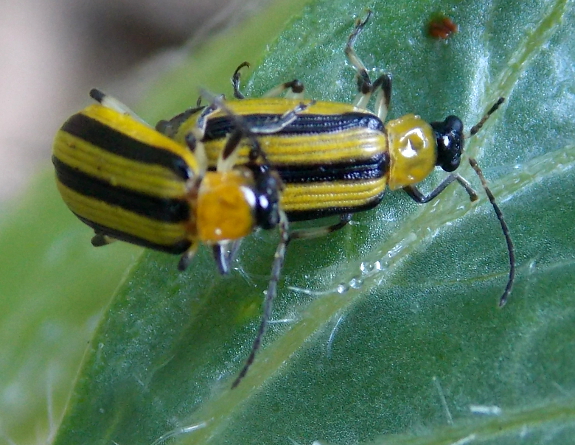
387 331
53 287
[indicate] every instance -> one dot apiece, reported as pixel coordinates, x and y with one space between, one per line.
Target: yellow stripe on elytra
338 194
278 105
118 218
116 170
310 149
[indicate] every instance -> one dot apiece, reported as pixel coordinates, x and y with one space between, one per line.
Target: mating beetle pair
215 173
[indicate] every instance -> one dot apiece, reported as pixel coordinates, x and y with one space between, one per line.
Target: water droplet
342 288
355 283
366 268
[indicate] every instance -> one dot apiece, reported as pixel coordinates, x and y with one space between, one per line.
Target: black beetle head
450 139
267 188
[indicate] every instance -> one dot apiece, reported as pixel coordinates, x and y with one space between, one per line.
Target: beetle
129 182
336 158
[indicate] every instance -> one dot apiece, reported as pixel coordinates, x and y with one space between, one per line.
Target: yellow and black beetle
129 182
336 158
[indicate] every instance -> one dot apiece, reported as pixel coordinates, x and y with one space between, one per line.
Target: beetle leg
344 219
422 198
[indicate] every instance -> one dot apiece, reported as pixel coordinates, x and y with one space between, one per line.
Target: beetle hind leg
100 239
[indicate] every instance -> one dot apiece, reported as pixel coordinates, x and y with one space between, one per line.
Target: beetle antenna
480 124
244 130
498 212
271 293
504 228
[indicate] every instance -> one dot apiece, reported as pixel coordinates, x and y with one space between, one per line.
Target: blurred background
53 52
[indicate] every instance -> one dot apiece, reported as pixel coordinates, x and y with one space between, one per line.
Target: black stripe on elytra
176 248
355 170
306 215
372 168
304 124
160 209
114 141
